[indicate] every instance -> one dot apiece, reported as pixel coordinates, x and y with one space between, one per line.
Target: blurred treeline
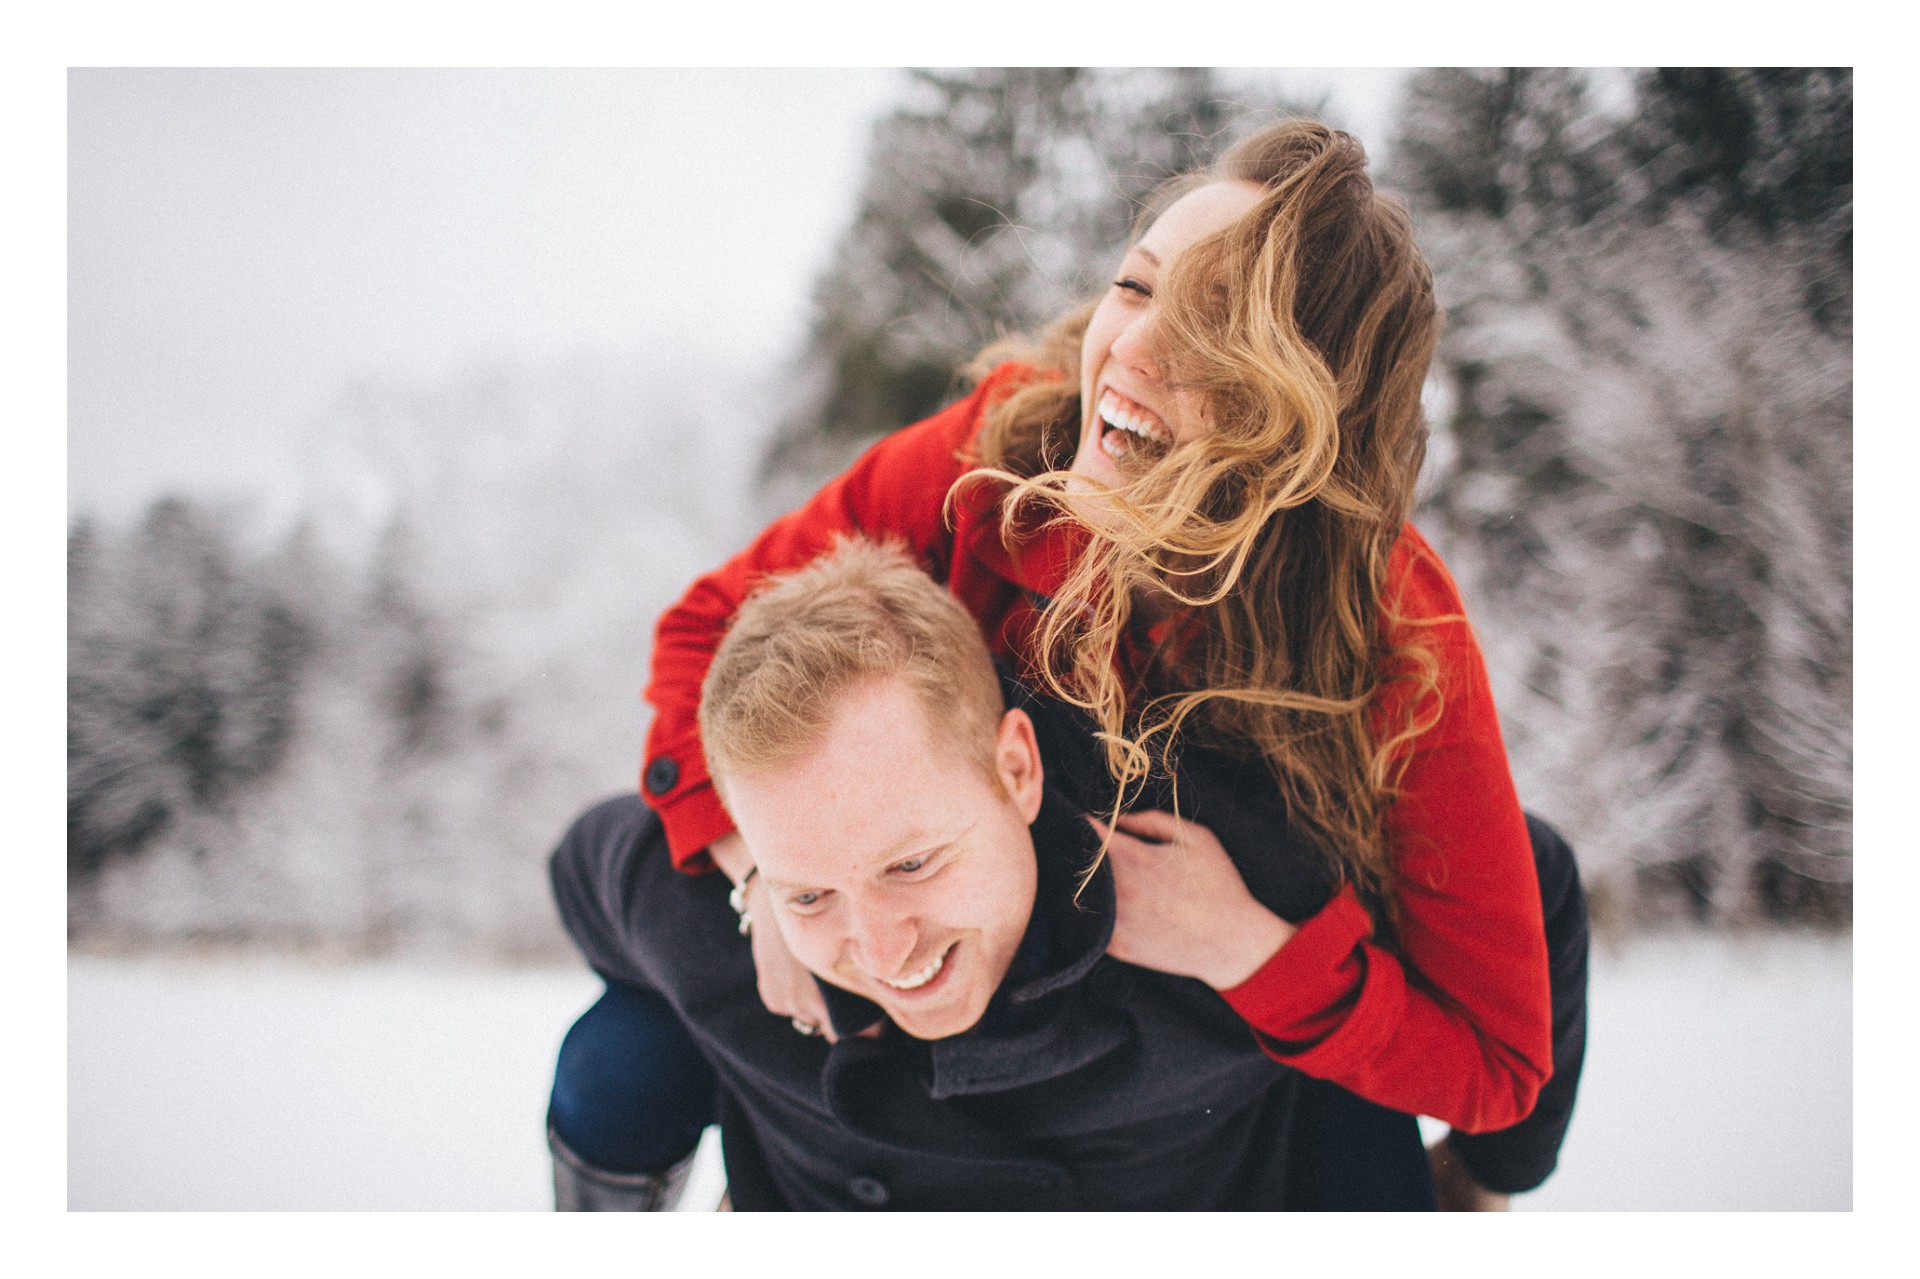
1640 473
366 734
1644 473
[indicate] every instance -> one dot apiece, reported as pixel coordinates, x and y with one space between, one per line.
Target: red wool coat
1457 1025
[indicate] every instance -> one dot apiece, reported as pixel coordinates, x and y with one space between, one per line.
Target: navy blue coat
1088 1083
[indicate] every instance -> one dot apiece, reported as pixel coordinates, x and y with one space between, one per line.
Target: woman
1187 513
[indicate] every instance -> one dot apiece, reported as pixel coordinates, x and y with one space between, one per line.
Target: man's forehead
879 785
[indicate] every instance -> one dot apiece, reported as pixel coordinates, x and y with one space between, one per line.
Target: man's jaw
923 986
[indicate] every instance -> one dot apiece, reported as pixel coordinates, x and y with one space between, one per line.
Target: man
984 1052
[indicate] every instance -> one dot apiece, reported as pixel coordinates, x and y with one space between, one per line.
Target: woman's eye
1131 285
910 865
800 901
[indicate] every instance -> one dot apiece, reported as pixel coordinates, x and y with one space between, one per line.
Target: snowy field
271 1085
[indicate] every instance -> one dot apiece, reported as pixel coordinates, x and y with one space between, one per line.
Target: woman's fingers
1154 824
789 991
1180 904
1155 827
786 987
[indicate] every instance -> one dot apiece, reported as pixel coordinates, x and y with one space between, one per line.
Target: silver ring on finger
805 1027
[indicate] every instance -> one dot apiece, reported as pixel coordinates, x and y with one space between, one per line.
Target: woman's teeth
914 981
1138 428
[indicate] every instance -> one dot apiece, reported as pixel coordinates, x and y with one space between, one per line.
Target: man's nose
884 939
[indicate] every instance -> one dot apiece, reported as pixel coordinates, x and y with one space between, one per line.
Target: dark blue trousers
632 1092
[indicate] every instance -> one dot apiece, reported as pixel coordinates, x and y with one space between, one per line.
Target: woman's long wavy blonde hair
1308 326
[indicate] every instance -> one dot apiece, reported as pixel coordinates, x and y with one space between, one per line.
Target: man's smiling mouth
915 980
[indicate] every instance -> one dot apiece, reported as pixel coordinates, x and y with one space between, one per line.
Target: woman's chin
1093 476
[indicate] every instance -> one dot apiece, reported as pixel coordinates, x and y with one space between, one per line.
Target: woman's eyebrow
1146 253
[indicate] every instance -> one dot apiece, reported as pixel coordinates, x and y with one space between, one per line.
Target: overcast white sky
241 244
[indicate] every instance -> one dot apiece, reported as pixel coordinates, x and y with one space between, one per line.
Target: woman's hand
786 988
1181 906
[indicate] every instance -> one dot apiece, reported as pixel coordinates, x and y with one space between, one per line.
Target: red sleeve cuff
1331 1004
1304 991
694 820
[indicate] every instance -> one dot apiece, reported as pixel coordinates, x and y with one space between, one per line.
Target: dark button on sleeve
868 1191
662 775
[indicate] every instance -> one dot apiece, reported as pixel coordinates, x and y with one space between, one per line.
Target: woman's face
1125 407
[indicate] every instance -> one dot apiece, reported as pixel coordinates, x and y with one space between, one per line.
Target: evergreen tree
1644 478
181 673
1512 142
993 201
1764 152
1769 146
476 607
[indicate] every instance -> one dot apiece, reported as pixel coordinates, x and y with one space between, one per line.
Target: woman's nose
1133 347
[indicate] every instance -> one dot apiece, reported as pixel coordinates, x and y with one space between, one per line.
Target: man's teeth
913 981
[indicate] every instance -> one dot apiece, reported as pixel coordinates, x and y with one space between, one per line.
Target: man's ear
1016 757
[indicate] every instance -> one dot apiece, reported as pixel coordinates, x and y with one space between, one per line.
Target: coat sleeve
896 491
1458 1024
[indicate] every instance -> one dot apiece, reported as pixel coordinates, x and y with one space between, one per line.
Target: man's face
897 871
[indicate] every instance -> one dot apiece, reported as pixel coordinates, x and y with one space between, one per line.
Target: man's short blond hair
803 640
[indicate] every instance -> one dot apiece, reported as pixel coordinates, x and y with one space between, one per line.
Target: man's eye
910 865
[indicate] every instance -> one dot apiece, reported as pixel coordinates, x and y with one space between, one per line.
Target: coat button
662 775
868 1191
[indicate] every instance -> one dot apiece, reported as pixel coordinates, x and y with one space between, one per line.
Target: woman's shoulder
1006 377
1419 584
901 483
1430 643
961 420
1417 567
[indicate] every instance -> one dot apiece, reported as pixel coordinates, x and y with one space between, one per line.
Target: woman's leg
631 1095
1352 1153
1517 1159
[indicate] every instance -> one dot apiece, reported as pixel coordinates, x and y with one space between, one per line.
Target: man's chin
930 1024
941 1022
955 1013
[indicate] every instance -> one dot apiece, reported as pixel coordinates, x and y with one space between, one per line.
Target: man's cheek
801 942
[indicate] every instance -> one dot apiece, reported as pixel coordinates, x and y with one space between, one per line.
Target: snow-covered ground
1719 1076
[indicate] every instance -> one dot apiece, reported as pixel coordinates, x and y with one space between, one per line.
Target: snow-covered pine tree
1644 478
182 666
479 565
993 200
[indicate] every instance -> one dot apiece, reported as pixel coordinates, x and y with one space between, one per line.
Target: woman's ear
1016 758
